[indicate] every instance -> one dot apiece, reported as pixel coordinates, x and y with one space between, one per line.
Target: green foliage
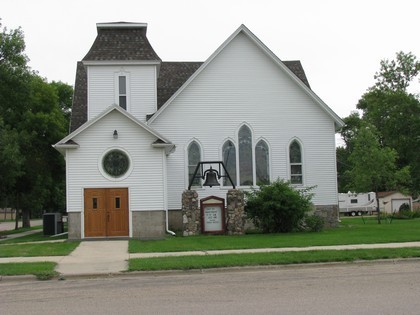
397 74
373 166
33 116
314 223
395 115
278 207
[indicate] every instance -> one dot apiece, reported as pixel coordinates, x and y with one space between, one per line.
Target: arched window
229 159
194 156
262 163
296 167
245 157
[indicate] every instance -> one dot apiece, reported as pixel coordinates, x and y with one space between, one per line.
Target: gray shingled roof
121 44
172 76
79 107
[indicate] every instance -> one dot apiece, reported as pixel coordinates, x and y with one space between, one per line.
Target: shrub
313 223
278 207
404 212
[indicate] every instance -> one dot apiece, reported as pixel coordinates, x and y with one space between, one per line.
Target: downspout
165 193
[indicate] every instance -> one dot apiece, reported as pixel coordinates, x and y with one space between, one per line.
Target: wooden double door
106 212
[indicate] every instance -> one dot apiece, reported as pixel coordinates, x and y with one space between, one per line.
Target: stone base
149 224
74 223
175 220
329 213
235 214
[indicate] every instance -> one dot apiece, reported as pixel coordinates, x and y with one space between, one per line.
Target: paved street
362 288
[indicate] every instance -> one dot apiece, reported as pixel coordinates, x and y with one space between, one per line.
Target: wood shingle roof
121 44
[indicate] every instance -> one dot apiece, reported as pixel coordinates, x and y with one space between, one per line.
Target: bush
278 207
313 223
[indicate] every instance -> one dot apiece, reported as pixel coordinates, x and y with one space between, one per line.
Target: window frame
263 140
238 157
234 176
118 93
291 164
187 158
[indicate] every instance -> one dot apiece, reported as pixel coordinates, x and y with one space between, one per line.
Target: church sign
213 215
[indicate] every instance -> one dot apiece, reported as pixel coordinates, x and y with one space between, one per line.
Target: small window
194 157
95 203
295 158
117 203
229 159
122 89
262 163
116 163
353 201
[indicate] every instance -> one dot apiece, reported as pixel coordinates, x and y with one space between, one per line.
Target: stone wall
234 215
191 221
235 212
329 213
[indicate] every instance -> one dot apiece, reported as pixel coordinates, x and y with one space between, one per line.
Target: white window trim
105 174
186 162
238 172
236 161
126 74
269 158
302 152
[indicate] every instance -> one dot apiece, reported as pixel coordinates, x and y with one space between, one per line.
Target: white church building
140 125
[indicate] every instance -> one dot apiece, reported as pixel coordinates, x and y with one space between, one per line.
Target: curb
127 274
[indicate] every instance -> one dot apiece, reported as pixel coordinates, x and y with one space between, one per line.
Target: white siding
243 85
141 89
145 182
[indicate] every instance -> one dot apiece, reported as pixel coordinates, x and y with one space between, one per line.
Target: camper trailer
353 204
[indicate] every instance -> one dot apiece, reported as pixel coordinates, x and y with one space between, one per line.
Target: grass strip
350 231
36 237
20 230
263 259
33 250
39 269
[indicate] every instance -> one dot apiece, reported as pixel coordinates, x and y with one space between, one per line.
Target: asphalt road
362 288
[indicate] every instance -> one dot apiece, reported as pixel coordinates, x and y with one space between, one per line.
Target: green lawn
36 237
350 231
264 259
37 249
43 270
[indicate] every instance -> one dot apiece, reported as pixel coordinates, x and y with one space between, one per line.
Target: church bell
211 176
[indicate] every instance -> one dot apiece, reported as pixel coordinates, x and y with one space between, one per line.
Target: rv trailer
353 204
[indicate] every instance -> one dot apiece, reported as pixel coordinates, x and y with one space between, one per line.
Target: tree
65 97
11 162
373 166
397 75
395 114
31 120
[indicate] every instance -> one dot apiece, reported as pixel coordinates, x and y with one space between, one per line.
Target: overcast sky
340 43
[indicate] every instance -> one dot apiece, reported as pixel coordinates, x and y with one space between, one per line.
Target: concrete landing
96 257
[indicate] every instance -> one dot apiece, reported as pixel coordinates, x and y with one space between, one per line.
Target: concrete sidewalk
111 256
95 257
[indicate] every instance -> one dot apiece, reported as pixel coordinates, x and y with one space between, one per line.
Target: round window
116 163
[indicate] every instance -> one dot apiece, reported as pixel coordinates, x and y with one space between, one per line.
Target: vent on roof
121 25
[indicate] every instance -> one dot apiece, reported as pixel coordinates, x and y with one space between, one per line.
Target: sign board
213 215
